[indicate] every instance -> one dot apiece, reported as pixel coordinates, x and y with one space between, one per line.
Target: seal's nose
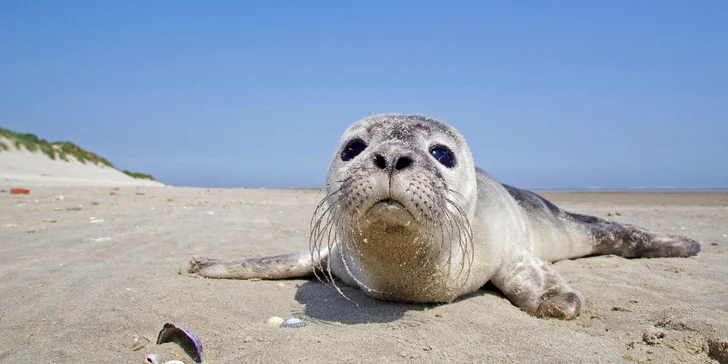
397 163
402 163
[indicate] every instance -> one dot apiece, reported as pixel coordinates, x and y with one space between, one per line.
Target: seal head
400 196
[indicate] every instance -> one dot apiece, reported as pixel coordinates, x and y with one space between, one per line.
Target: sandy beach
90 276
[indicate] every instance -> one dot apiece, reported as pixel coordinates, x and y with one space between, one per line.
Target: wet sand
91 276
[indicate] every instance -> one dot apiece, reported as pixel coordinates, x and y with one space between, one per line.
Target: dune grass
139 175
58 150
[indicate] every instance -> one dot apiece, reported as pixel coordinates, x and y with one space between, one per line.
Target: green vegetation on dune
139 175
60 150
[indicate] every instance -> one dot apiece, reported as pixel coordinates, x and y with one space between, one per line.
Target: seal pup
408 217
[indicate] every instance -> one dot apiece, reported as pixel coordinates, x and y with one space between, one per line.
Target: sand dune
26 168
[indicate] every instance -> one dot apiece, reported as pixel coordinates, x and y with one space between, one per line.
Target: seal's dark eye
443 155
352 149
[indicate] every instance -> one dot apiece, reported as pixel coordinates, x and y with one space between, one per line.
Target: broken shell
274 321
292 323
184 338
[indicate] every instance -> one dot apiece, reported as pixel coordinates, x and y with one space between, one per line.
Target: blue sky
256 94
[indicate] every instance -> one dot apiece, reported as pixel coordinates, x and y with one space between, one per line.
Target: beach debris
112 193
139 343
50 220
614 214
100 239
12 225
622 309
274 321
94 220
725 235
74 208
59 198
19 191
185 338
154 359
292 323
714 244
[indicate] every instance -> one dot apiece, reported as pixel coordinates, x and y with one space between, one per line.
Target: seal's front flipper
535 287
290 265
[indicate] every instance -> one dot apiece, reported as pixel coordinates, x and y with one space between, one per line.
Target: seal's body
408 217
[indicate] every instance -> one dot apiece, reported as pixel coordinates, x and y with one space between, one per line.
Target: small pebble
274 321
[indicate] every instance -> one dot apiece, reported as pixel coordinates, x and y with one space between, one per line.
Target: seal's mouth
389 209
386 204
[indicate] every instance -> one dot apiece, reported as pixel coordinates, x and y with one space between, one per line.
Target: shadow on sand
324 303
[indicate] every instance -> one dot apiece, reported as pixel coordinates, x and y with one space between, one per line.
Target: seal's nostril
379 161
402 163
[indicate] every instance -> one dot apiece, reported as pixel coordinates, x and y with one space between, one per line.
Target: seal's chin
389 211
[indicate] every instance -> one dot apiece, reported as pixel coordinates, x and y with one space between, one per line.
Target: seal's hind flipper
290 265
630 241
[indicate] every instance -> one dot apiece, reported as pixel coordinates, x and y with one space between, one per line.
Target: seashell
185 338
274 321
152 359
292 323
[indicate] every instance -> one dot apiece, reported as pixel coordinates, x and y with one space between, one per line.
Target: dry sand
88 284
